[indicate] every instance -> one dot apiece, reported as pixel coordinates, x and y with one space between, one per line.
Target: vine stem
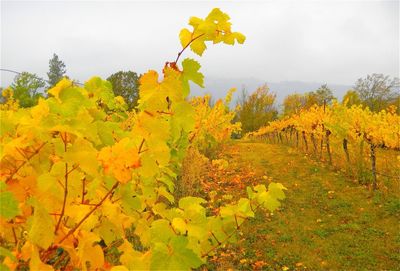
141 146
65 198
237 224
67 172
187 45
26 161
71 231
14 234
83 190
215 237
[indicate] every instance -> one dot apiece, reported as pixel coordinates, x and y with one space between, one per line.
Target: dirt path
327 222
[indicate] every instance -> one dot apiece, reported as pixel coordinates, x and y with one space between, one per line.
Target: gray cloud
316 41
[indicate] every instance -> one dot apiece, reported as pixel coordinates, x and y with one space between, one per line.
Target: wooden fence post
373 166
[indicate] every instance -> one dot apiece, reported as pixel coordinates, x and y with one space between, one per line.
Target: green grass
327 221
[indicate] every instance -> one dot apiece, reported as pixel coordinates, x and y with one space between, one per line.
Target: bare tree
377 90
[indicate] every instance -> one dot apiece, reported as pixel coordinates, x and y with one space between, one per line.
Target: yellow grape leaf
60 86
108 231
143 231
216 28
90 251
26 251
83 154
172 85
151 126
40 110
159 150
50 194
209 29
179 224
195 21
120 159
217 15
156 101
133 259
240 38
42 230
185 36
70 248
198 46
148 82
120 102
229 39
148 167
111 211
77 212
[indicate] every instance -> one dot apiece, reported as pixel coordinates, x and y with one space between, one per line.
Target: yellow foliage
120 159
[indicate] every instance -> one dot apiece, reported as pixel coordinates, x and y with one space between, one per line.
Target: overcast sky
312 41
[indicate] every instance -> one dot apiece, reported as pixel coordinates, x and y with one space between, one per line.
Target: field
327 222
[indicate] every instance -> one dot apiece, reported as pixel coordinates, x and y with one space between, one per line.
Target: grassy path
327 222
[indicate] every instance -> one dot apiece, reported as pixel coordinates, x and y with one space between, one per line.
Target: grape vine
354 125
78 171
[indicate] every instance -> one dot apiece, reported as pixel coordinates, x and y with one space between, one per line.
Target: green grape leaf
276 190
143 231
131 202
197 230
191 202
161 231
162 191
270 202
6 253
174 256
244 208
183 116
191 73
3 267
102 91
250 192
133 259
8 205
108 231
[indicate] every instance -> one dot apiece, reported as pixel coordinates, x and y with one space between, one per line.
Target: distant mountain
218 87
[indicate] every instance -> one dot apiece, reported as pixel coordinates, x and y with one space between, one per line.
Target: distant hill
218 87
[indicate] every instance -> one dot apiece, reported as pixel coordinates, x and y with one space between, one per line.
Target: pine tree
56 70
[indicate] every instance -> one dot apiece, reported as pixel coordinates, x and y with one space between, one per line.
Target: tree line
375 91
254 110
28 87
